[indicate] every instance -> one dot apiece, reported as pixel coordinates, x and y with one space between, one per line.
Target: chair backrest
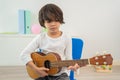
77 46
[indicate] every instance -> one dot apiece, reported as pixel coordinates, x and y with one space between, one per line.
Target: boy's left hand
74 68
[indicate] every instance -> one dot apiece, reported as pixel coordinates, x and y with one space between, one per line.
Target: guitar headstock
101 60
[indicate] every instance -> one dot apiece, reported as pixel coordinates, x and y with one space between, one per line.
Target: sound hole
47 64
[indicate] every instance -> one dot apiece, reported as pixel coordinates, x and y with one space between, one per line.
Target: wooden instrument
54 62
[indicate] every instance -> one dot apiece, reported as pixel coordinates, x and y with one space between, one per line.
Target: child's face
52 26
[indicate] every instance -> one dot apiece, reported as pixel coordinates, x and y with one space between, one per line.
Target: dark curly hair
50 12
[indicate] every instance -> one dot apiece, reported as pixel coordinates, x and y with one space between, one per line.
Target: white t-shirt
61 45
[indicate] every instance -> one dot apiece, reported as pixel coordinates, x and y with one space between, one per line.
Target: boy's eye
48 21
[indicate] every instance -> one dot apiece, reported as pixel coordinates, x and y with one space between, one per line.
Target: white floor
86 73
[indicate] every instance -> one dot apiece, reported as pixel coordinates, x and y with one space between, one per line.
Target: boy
54 40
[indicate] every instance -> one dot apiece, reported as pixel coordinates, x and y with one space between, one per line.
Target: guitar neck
66 63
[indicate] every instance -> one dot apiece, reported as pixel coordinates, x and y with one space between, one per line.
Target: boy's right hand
42 71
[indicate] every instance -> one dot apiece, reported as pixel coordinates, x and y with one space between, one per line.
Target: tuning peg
105 63
97 53
104 52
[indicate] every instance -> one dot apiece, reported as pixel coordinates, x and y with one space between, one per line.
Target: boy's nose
53 22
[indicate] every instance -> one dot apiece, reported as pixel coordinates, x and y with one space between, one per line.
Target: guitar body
42 60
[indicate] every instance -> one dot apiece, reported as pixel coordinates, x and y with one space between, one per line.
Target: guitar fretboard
66 63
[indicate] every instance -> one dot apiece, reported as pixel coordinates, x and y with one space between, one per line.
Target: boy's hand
42 71
74 68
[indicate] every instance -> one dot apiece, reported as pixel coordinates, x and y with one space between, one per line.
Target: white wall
97 22
11 47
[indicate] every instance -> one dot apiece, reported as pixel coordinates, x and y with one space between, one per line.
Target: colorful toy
36 29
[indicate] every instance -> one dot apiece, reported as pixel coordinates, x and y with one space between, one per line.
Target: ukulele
54 62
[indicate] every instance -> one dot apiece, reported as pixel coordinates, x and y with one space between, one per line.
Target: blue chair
77 46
